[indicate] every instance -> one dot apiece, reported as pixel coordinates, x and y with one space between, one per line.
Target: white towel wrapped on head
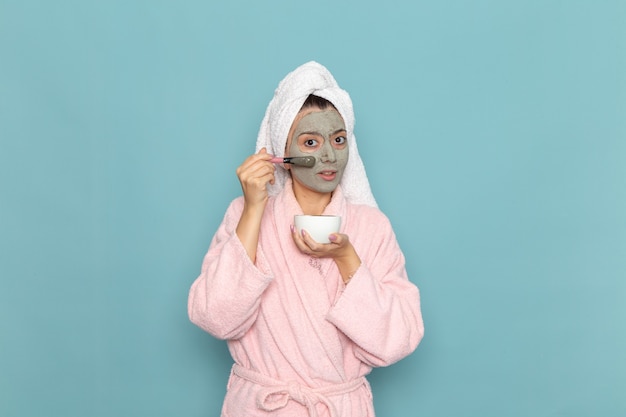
293 90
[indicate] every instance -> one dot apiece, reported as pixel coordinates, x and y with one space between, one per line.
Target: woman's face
322 134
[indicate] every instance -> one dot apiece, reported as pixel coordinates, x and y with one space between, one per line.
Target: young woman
305 322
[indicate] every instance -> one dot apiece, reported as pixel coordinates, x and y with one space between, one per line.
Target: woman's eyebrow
315 133
310 133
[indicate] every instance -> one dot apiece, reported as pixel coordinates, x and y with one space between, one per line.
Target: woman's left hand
340 249
337 247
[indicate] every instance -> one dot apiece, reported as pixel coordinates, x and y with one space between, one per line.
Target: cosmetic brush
301 161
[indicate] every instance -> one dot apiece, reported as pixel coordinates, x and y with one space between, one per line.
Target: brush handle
304 161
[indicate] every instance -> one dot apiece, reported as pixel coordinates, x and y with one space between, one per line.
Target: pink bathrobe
302 340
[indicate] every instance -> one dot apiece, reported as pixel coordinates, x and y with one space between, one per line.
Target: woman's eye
340 140
310 142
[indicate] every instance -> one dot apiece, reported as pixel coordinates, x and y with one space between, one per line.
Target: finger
337 239
297 239
259 169
314 245
296 235
255 169
255 179
262 155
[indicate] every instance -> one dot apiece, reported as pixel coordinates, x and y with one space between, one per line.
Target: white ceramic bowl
319 227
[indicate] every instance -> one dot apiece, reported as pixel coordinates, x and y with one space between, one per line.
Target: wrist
254 210
347 279
348 264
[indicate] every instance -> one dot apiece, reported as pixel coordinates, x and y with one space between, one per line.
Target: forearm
248 229
348 264
382 318
224 299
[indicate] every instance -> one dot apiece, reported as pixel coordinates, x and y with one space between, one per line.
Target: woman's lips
327 175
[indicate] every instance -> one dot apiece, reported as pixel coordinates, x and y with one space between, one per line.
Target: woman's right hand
254 174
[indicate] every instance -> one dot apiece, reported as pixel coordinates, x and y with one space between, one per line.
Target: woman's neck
311 202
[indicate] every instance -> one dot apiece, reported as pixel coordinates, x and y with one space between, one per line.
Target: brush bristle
304 161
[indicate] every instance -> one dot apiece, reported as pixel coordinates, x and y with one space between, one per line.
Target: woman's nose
328 152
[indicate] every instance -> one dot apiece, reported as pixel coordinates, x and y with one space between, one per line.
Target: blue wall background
494 134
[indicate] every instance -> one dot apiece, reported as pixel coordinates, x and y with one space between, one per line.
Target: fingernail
332 238
292 228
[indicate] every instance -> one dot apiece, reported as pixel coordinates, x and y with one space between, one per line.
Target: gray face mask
322 134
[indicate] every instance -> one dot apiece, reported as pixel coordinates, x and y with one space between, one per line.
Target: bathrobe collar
316 280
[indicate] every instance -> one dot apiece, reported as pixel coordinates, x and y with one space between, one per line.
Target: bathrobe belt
275 394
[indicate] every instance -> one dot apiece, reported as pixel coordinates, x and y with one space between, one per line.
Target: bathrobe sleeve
225 298
379 310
